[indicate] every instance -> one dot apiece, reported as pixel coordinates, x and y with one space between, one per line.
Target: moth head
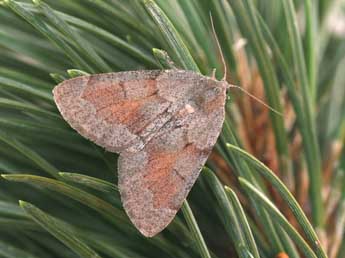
223 84
212 93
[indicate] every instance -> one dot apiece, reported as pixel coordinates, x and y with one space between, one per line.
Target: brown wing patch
134 114
163 179
106 93
153 187
124 102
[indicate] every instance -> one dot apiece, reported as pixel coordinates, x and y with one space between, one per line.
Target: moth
162 123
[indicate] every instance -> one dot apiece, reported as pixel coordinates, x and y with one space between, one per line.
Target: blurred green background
269 175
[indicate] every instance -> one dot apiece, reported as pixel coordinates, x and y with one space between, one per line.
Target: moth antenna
256 98
219 47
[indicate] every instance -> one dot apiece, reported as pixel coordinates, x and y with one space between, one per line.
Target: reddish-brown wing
155 180
112 109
